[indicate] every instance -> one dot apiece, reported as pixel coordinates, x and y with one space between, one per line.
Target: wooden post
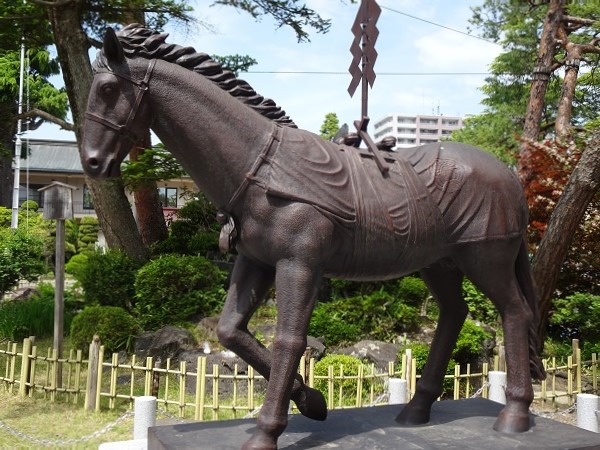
156 378
92 380
25 367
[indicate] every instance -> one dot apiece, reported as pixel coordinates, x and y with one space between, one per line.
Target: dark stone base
459 424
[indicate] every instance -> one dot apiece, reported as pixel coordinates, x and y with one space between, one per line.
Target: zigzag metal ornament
363 47
363 61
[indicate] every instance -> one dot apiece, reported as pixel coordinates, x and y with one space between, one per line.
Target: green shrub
329 323
76 265
420 352
196 232
107 279
115 327
172 288
375 316
30 205
470 343
349 365
21 258
576 316
411 290
480 307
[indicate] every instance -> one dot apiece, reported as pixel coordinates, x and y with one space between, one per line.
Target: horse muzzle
103 168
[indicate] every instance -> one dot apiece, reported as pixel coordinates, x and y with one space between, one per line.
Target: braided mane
142 42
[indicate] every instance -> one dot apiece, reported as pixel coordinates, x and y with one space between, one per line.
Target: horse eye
108 90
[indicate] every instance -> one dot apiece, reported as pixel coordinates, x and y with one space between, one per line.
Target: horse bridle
124 130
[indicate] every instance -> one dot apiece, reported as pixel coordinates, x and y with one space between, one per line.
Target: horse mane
142 42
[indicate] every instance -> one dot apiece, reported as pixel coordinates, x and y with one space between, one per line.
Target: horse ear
112 47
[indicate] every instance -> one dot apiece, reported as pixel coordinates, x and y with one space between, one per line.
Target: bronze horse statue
300 208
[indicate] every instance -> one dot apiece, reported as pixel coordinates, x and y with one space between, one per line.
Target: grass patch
56 421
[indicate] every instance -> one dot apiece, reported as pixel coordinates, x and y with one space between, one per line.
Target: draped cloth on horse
433 195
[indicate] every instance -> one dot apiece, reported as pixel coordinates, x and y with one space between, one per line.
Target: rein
124 130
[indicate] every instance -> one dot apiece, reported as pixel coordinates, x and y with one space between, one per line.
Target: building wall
412 130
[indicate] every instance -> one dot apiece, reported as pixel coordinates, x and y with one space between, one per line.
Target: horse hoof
260 441
311 403
511 422
410 417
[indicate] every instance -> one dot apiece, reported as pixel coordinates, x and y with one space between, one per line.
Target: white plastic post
397 390
587 405
144 416
497 391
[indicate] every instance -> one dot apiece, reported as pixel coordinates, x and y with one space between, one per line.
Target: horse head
118 114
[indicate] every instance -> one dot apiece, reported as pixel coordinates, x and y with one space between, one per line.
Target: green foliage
172 288
30 205
235 63
376 316
20 258
32 317
329 322
87 234
576 316
196 232
107 278
330 126
76 265
115 327
349 365
480 307
285 12
73 301
470 343
420 352
411 290
152 165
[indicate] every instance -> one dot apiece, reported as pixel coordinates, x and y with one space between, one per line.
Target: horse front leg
296 290
249 285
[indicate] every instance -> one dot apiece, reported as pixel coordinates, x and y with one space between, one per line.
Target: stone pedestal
460 424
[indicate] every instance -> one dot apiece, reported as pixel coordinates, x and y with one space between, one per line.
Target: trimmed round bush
107 279
30 205
350 366
115 327
412 291
172 288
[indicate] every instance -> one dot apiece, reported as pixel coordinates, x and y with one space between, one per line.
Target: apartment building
413 130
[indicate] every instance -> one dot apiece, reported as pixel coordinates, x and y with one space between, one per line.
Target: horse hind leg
445 284
491 267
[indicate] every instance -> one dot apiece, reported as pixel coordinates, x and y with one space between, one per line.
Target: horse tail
527 284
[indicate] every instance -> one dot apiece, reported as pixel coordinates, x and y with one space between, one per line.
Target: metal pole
14 223
59 288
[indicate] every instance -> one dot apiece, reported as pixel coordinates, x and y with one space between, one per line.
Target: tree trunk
110 202
151 220
583 184
539 85
564 113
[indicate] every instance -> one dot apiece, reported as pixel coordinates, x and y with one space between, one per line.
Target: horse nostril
93 163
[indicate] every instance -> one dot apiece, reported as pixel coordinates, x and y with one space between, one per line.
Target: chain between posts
51 442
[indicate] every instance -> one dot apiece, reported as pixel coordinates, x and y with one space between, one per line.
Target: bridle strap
124 130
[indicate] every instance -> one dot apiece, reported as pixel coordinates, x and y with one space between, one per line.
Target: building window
406 130
31 193
87 198
428 131
168 197
453 123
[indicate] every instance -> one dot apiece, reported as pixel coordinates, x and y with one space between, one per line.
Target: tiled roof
52 156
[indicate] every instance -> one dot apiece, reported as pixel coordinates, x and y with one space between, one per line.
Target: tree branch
47 116
578 20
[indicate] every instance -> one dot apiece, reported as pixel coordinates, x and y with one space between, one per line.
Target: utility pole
14 223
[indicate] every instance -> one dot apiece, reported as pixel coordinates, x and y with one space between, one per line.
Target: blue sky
405 45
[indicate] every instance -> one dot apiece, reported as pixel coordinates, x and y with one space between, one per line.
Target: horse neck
214 136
